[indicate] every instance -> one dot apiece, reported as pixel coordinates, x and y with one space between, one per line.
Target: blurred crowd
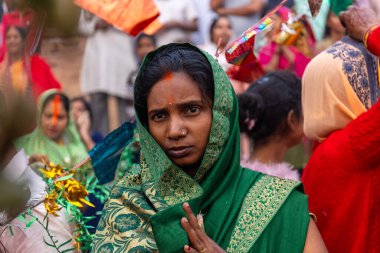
63 128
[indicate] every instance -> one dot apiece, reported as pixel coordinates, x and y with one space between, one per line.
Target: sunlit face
77 109
14 41
53 126
144 47
179 119
222 29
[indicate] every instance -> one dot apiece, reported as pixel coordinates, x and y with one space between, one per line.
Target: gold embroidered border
261 204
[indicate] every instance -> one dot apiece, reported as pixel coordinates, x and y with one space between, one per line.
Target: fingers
194 237
189 249
191 217
193 227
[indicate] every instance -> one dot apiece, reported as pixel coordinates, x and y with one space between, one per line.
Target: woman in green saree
55 138
190 164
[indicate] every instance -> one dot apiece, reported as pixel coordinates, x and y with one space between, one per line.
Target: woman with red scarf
23 71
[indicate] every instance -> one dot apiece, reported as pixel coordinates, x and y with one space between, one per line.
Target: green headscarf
339 5
145 206
68 154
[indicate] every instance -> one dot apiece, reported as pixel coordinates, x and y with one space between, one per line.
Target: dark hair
64 99
22 31
268 102
172 58
213 24
86 105
141 36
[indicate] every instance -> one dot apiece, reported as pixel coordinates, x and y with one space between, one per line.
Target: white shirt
180 10
29 240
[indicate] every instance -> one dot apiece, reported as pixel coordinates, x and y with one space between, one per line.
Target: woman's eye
193 110
159 116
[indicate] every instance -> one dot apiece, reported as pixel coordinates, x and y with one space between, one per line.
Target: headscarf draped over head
145 206
67 154
338 85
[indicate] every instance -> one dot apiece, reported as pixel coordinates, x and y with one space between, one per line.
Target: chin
187 165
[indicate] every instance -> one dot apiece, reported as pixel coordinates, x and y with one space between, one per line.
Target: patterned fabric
261 202
145 206
360 67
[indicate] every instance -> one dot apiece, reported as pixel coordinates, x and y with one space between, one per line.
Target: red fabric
373 41
342 180
42 76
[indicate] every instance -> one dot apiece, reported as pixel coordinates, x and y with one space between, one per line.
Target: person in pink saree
287 49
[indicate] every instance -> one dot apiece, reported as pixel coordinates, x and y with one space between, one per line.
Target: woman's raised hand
194 228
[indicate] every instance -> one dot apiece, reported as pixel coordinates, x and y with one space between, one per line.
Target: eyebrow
183 104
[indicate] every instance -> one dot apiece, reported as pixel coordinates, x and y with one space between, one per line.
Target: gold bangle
366 35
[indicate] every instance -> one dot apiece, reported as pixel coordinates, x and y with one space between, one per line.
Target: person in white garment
107 62
178 18
23 239
243 13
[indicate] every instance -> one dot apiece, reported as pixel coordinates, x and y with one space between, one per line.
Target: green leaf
30 223
65 178
11 231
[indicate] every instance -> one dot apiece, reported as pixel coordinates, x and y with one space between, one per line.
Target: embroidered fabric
360 67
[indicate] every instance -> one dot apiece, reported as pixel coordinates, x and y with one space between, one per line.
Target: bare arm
314 242
190 26
216 4
253 7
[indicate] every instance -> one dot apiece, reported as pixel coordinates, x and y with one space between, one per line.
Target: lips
179 152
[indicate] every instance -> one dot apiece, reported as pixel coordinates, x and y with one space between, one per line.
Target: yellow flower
51 204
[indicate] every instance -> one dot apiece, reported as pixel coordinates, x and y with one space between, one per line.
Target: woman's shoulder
273 191
271 206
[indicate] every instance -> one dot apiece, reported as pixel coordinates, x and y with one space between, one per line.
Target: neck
271 152
335 35
15 57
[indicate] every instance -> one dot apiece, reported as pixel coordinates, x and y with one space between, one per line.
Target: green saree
244 211
67 155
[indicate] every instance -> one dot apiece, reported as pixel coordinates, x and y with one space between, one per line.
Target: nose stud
183 132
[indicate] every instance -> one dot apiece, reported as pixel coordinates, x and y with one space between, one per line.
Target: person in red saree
31 19
23 71
342 114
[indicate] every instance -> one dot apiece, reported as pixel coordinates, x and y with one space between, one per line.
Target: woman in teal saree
190 163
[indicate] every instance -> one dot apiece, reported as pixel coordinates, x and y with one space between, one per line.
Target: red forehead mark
57 100
168 76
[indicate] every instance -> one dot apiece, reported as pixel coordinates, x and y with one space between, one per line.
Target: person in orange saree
24 72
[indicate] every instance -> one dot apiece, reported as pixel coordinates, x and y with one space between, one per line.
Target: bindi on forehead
57 101
168 76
